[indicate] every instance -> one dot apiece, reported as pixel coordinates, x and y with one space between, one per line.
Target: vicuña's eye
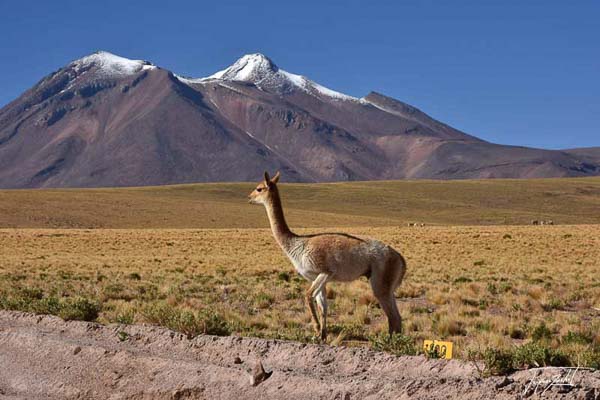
259 189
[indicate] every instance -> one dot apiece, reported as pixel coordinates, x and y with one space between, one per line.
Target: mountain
104 120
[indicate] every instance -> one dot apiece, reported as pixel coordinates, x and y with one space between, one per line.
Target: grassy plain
522 295
223 205
481 287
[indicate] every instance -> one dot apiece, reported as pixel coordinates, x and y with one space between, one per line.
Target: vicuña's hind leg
383 283
388 304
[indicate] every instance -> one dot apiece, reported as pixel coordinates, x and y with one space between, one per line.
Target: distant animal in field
535 222
542 222
327 257
416 224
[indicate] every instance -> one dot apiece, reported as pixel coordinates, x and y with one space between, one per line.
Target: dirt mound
44 357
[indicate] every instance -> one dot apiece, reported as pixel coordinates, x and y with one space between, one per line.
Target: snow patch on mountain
111 65
188 80
262 72
249 68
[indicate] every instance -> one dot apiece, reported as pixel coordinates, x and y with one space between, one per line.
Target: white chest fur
301 260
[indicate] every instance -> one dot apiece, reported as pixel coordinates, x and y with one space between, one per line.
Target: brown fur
328 257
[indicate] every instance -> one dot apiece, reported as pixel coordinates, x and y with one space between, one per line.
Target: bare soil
44 357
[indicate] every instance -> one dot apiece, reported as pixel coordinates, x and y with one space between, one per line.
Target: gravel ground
44 357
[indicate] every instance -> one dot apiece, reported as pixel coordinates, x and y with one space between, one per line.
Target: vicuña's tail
400 268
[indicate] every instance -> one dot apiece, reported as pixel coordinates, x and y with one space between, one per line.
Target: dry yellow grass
477 286
223 205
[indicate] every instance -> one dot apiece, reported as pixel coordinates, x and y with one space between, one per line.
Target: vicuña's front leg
316 288
312 310
322 306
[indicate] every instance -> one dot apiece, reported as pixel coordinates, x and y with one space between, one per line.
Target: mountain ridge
104 120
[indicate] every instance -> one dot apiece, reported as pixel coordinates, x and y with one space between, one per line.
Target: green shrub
491 287
470 302
149 292
186 321
79 308
589 358
530 355
123 336
283 276
32 293
214 323
483 304
498 361
538 355
263 300
350 331
483 326
125 317
516 333
541 332
49 305
462 279
553 304
505 287
134 276
397 344
578 337
117 291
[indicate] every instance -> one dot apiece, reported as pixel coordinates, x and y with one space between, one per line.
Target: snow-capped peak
249 68
262 72
109 64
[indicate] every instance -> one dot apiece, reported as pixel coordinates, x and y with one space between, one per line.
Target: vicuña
327 257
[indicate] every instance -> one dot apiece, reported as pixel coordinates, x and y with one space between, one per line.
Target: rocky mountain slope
104 120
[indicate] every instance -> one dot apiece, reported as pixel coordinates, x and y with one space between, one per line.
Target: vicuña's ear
267 179
275 179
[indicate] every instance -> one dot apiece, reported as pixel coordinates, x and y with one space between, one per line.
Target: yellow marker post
442 349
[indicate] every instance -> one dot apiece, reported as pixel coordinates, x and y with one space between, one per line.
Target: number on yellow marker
438 348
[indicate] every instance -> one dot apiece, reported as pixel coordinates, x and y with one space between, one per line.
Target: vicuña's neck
280 228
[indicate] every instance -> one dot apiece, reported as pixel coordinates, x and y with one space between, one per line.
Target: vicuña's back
328 257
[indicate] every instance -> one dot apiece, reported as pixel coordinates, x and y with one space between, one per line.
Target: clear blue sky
510 71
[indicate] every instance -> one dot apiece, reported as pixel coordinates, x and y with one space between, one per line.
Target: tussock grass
534 301
32 300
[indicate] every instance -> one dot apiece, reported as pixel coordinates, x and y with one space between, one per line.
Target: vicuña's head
265 190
